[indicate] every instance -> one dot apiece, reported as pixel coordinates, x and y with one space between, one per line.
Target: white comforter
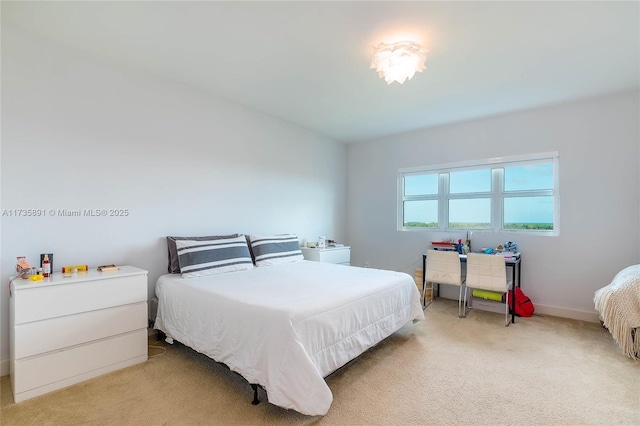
287 326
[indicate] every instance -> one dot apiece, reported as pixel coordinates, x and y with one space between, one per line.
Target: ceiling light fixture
398 61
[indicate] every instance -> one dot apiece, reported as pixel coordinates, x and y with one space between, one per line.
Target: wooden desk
514 262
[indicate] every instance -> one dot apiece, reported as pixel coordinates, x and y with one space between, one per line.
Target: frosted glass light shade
398 61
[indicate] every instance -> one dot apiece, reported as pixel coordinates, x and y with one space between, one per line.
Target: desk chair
443 267
487 272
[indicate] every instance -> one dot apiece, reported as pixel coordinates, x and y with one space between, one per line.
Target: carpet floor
442 371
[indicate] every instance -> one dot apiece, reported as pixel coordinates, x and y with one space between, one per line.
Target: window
509 194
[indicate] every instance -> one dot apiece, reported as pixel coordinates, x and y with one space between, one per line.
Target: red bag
524 305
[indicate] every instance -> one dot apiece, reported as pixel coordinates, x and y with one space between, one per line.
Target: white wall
78 134
598 143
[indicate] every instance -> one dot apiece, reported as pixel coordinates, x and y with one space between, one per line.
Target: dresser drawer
39 303
39 337
77 363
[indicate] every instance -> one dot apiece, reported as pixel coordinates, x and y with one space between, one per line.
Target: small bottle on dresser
46 266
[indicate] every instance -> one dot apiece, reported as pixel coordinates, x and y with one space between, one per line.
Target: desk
513 262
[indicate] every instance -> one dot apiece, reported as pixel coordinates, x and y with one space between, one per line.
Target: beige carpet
443 371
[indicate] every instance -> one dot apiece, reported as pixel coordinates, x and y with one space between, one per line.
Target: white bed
619 306
286 327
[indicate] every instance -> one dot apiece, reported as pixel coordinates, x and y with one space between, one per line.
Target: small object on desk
443 245
106 268
511 246
509 254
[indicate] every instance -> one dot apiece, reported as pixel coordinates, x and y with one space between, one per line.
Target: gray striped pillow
200 258
174 266
275 249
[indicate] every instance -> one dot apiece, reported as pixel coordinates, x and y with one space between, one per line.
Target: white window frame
497 194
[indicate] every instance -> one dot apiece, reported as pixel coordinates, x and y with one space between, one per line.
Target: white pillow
200 258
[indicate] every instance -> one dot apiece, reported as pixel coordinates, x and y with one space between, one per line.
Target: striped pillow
174 266
275 249
200 258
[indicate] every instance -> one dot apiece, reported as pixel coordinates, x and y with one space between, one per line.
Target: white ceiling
308 62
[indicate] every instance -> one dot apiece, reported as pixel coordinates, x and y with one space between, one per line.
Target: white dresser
65 330
341 255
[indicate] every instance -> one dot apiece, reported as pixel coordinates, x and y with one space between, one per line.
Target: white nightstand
341 255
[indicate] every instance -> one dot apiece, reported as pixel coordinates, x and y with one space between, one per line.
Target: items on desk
510 246
508 249
509 254
443 245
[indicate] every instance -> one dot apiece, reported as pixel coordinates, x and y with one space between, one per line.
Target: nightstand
340 255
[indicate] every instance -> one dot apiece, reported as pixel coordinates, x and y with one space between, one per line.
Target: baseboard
554 311
567 313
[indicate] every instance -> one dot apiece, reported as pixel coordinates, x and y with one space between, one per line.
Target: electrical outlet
366 264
